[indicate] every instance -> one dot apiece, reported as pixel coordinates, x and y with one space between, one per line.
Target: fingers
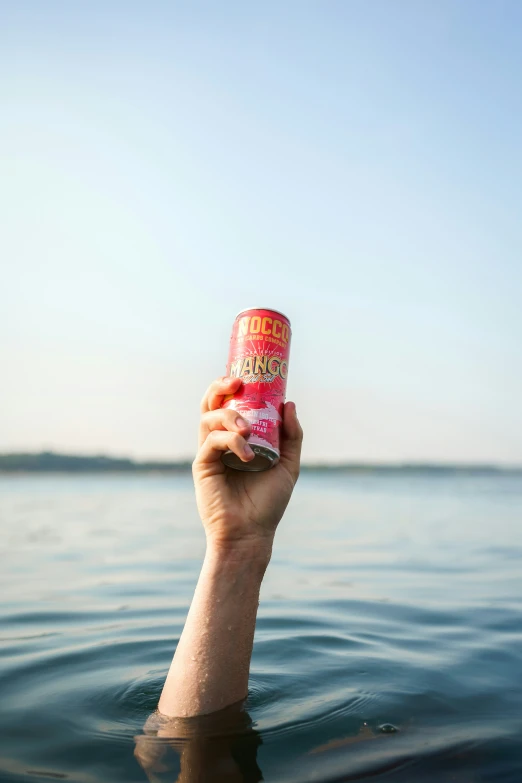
217 391
222 419
291 440
219 441
221 429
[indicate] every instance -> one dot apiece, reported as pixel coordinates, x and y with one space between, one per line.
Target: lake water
392 602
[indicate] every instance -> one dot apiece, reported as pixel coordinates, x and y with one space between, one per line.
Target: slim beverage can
259 353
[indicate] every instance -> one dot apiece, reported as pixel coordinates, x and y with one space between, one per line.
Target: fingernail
247 451
240 422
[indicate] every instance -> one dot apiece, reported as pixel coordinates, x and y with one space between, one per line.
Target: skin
240 512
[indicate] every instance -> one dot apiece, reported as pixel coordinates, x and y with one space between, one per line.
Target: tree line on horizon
52 462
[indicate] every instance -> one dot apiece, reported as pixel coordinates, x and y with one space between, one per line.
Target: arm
240 512
212 660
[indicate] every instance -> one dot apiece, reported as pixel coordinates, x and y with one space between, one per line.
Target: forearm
212 660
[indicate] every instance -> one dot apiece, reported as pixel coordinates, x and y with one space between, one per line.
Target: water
388 645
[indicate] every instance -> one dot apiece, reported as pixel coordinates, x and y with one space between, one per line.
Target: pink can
259 352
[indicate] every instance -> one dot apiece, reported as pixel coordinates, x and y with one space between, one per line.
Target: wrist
252 554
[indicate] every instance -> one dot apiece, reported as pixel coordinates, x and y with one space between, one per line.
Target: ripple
311 714
399 607
140 693
262 692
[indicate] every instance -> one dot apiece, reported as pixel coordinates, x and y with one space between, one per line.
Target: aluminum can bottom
264 459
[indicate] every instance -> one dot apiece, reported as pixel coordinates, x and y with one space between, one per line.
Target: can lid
271 309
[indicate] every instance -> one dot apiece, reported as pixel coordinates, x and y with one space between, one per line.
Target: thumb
291 440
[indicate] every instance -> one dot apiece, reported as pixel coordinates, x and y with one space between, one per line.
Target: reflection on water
221 747
392 602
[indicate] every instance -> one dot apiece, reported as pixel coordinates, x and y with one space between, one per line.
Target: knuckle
237 440
230 417
214 437
205 418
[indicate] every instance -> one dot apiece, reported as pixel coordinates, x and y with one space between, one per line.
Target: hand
241 510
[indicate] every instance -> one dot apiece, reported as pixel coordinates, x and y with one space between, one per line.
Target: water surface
388 644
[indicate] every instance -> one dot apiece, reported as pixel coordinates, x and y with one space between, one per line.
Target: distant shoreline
52 462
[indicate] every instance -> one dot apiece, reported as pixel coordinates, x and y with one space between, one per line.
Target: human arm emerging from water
240 512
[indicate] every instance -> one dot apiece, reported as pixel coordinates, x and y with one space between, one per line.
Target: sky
357 165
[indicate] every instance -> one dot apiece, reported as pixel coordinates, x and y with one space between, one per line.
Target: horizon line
54 461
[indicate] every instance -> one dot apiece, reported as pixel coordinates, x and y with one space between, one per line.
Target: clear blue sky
357 165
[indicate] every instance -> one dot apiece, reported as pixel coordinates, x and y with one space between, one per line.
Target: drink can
259 352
